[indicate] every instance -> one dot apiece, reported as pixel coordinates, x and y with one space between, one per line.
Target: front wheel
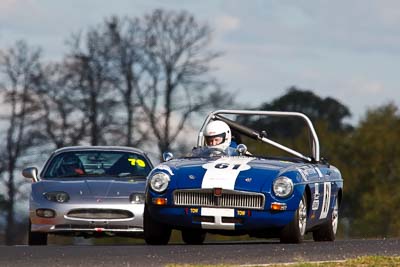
327 231
155 233
294 232
193 237
36 238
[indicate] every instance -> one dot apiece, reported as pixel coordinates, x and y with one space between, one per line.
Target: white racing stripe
222 173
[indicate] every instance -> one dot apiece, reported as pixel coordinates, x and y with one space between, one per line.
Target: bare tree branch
178 64
18 66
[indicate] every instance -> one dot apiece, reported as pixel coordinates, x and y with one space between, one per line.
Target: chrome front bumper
64 223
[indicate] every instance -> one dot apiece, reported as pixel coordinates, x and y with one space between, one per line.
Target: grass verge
365 261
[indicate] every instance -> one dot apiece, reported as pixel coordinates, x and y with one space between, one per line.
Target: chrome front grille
228 199
107 214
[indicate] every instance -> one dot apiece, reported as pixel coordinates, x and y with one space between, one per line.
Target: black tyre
155 233
36 238
327 231
193 237
294 232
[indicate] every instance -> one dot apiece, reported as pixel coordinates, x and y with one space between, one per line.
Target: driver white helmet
217 134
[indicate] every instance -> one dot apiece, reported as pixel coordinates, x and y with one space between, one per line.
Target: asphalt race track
237 253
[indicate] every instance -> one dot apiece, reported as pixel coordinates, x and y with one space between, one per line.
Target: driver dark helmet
72 164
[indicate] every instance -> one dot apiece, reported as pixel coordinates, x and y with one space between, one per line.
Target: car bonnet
235 173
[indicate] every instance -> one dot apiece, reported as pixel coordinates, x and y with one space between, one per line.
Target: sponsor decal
248 179
315 203
306 171
241 212
302 174
309 171
319 172
194 210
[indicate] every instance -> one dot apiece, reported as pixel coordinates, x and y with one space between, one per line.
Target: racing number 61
227 165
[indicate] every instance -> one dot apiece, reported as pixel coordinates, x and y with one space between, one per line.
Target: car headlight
137 198
60 197
159 181
283 187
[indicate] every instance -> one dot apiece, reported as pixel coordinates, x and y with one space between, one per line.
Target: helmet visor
215 140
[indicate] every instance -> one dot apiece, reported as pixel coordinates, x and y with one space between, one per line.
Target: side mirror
31 173
241 149
167 156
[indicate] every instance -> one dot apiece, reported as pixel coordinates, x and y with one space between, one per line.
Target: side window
64 163
52 169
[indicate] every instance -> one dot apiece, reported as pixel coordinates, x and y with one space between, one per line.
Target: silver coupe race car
89 191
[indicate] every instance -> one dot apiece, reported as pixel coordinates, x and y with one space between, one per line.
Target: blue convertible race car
235 192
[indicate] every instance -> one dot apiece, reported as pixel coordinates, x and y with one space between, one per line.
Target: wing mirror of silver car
31 173
241 149
167 156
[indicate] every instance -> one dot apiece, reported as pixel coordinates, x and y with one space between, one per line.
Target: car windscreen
205 152
97 164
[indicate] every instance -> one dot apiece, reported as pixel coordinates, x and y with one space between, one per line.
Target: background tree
18 68
371 166
328 110
89 68
126 41
178 83
61 122
328 114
